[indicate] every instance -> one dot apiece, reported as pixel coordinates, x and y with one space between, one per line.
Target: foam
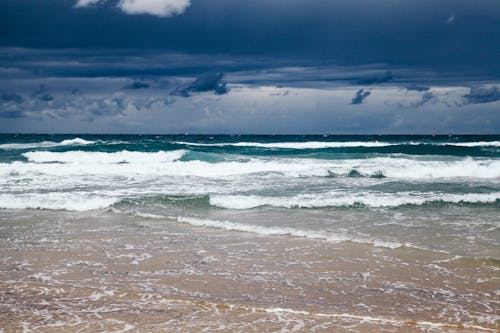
379 319
56 201
104 158
46 144
283 231
330 144
294 145
340 199
474 144
167 163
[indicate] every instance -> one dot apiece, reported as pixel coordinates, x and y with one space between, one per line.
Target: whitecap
46 144
342 199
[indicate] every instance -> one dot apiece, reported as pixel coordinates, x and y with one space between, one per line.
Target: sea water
439 193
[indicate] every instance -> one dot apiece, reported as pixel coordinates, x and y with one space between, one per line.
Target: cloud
11 106
138 85
360 96
86 3
375 78
450 19
481 94
211 81
161 8
43 95
12 97
426 97
417 87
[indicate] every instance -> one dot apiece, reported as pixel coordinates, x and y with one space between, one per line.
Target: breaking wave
293 145
337 144
90 158
281 231
169 163
332 199
46 144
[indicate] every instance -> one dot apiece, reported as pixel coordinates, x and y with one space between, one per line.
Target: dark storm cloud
417 87
360 96
11 105
479 95
42 94
211 81
12 97
411 32
138 85
313 49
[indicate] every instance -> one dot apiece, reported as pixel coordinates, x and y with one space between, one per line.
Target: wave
169 163
56 201
124 156
293 145
280 231
473 144
271 231
332 199
338 144
46 144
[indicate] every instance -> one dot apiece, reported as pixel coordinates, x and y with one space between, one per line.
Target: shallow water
102 271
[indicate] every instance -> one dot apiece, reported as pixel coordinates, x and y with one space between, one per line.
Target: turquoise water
438 193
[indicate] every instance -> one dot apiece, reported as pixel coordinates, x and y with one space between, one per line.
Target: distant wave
338 199
294 145
474 144
124 156
330 144
46 144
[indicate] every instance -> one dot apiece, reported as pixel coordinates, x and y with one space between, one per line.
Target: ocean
290 233
440 193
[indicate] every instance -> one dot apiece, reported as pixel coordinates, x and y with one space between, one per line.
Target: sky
250 66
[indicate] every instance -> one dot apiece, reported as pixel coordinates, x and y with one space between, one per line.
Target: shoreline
144 274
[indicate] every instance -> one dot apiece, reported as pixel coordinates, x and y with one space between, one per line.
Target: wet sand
94 272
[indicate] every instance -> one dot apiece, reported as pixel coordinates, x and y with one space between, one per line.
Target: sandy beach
100 271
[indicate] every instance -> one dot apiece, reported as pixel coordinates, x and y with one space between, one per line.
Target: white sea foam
46 144
284 231
474 144
336 199
337 144
85 157
56 201
294 145
167 163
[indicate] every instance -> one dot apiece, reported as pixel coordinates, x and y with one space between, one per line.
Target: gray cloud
211 81
11 106
481 94
43 95
138 85
12 97
426 97
360 96
417 87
